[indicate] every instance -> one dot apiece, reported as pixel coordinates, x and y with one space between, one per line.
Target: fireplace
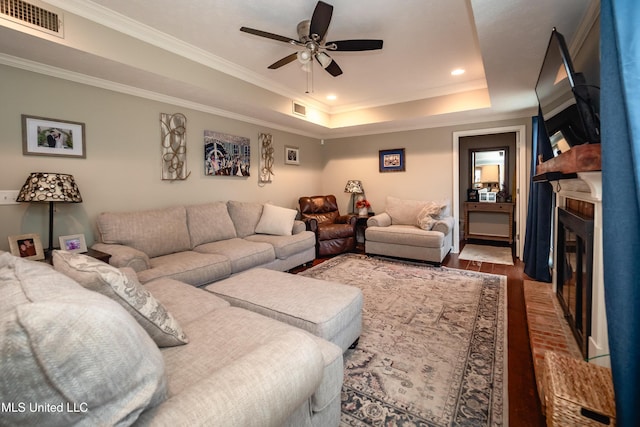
574 263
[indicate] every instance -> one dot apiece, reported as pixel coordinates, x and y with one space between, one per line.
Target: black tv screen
568 103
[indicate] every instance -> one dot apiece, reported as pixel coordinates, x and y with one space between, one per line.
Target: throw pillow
276 220
426 221
209 222
66 347
127 291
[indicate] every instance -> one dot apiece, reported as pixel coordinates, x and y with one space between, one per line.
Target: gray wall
123 167
122 170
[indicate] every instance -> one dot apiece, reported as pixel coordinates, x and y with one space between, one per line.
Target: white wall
123 166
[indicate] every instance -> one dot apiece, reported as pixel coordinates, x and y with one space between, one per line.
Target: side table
361 226
102 256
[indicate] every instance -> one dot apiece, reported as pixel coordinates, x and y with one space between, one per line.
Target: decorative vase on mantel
363 211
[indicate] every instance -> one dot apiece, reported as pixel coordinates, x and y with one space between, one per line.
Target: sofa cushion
154 232
64 345
276 220
242 253
125 290
191 267
408 235
209 223
287 246
245 216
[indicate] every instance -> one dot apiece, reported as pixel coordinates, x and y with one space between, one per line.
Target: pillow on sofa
429 214
209 222
127 291
61 344
425 220
276 220
245 216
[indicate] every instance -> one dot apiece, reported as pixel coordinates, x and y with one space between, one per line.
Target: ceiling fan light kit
311 38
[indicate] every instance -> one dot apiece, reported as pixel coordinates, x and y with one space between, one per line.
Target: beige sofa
413 229
115 352
200 244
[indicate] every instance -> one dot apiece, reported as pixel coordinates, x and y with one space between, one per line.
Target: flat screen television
569 104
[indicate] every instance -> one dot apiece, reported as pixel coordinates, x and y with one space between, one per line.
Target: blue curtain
620 117
537 240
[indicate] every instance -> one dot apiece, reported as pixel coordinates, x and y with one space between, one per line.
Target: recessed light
457 72
332 97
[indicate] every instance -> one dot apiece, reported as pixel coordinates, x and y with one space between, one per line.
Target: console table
488 221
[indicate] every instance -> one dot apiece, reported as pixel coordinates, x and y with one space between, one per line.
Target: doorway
512 137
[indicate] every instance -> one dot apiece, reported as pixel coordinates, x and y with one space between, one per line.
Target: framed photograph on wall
27 246
52 137
73 243
291 155
392 160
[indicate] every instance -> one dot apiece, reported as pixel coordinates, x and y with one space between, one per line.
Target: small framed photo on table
27 246
73 243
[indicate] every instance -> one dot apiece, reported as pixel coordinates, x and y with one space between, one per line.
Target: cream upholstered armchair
335 233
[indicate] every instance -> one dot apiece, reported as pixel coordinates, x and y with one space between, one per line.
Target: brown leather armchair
335 233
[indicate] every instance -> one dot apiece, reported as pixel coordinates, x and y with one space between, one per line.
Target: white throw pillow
127 291
276 220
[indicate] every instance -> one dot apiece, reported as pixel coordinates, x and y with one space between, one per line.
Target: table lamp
52 188
354 187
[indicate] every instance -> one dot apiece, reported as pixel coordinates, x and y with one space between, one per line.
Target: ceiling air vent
32 16
299 109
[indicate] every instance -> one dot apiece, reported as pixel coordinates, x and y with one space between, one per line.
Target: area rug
432 348
486 253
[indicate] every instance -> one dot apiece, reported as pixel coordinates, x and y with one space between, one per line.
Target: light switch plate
8 197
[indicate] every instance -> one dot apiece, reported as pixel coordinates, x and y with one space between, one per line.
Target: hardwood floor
524 405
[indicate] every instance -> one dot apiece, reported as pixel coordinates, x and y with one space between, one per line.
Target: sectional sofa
204 243
86 344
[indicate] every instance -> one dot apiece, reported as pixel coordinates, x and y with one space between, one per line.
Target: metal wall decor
173 130
266 157
226 155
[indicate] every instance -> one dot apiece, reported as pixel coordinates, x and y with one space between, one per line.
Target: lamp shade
353 186
50 187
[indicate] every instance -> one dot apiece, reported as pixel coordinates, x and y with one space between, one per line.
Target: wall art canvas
226 155
173 140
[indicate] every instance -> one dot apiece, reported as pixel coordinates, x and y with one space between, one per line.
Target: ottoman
330 310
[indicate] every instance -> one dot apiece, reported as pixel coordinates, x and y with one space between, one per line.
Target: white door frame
521 189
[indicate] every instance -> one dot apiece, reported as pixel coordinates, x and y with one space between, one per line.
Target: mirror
489 169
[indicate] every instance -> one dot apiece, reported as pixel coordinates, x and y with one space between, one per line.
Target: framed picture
73 243
27 246
487 196
291 155
52 137
226 155
392 160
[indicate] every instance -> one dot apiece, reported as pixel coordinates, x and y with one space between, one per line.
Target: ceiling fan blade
328 64
267 35
320 20
354 45
284 61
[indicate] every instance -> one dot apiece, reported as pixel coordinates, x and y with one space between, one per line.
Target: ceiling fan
311 37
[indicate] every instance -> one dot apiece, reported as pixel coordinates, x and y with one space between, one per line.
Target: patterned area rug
485 253
432 348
